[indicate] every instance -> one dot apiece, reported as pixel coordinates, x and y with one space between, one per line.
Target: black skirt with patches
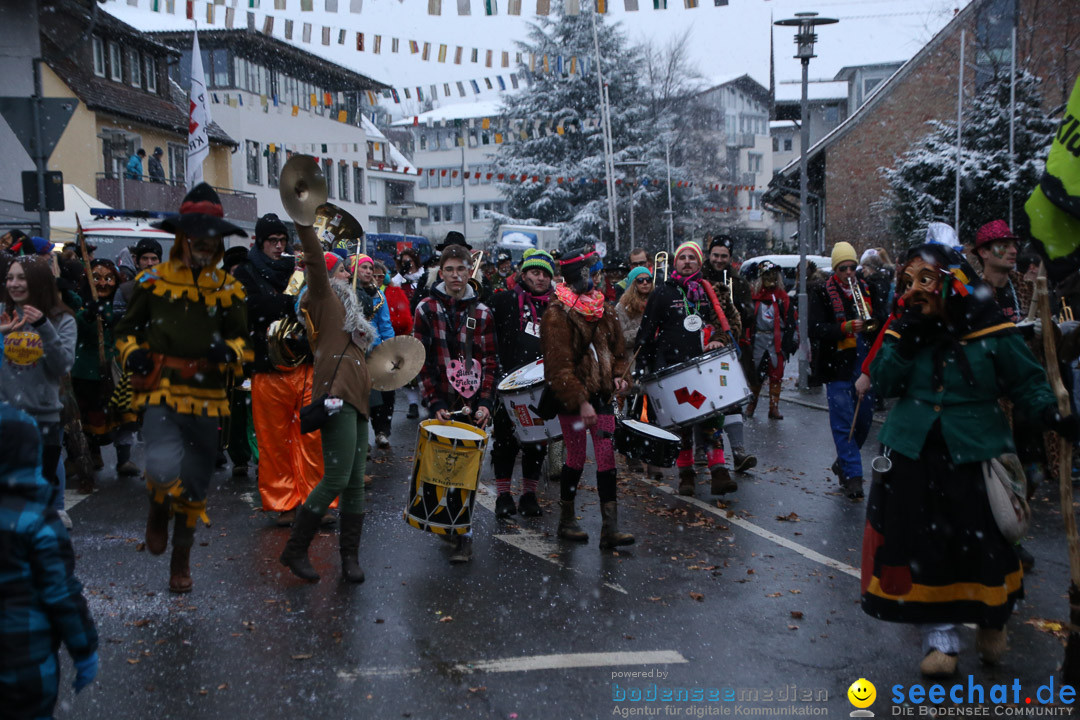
932 552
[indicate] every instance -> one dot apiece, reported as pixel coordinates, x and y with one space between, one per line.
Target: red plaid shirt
436 317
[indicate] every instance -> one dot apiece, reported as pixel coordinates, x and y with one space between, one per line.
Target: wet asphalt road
727 597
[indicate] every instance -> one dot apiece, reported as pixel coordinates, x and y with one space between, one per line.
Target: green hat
538 259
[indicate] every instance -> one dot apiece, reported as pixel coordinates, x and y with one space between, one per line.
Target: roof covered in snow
815 91
459 111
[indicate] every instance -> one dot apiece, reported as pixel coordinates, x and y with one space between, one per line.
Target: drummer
584 361
517 331
684 318
458 332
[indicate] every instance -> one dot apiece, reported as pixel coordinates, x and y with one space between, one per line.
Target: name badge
532 329
692 323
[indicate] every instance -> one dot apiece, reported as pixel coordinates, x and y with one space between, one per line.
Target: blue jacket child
41 601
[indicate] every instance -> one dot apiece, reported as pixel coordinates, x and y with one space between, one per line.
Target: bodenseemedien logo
862 694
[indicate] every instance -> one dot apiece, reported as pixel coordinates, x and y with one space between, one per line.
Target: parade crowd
263 356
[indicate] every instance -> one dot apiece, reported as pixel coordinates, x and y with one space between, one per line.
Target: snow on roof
783 124
373 133
457 111
816 91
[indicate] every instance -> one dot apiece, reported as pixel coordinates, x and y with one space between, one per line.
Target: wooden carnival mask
921 286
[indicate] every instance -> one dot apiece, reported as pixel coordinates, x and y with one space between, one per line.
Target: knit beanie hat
843 252
269 224
538 259
691 245
635 274
332 261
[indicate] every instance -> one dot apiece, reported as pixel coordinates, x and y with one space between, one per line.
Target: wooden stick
855 419
80 239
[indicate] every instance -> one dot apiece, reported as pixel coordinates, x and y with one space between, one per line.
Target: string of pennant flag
434 7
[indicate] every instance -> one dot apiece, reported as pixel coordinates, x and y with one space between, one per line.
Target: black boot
295 554
609 530
350 529
528 505
504 506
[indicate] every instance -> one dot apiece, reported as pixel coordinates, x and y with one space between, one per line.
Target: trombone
658 259
861 308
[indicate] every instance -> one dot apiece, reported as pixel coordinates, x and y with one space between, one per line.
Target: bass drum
697 389
442 493
646 443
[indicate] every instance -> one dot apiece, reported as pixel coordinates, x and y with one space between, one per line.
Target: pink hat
993 231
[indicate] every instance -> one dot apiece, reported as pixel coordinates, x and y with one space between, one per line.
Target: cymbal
302 187
396 362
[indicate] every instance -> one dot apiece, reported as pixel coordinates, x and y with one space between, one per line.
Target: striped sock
502 485
529 484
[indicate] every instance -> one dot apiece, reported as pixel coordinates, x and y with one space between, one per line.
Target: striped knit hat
538 259
690 245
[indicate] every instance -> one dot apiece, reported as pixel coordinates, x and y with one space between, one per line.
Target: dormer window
99 57
115 70
150 68
134 68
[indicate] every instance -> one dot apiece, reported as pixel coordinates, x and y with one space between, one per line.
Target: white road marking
73 498
531 541
535 662
759 531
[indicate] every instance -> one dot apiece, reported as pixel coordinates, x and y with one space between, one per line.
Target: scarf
691 286
537 305
275 272
779 298
590 304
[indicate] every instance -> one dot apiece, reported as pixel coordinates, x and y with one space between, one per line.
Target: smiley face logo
862 693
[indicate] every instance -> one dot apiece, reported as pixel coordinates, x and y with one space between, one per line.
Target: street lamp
631 166
804 41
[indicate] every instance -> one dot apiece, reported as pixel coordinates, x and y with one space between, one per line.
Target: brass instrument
337 229
476 278
1066 313
658 258
861 309
287 344
729 283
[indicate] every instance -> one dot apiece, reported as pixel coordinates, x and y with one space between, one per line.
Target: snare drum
520 393
647 443
445 475
696 390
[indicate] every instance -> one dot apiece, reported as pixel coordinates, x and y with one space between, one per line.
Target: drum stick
855 419
630 365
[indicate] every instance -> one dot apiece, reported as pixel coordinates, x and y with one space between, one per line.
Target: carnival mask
920 286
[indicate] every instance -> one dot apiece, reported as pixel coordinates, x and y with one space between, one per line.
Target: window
456 177
115 71
447 180
220 68
99 57
343 180
150 68
177 163
776 144
869 84
326 169
832 115
753 161
372 189
787 144
423 141
253 162
134 68
421 182
435 213
358 184
273 167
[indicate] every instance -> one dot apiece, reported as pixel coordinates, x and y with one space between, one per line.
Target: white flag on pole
198 119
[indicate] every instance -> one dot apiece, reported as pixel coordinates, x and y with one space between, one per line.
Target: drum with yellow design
446 471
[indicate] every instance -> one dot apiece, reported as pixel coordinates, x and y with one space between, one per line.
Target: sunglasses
846 268
643 281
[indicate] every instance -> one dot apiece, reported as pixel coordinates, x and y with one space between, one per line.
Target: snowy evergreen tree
573 100
922 184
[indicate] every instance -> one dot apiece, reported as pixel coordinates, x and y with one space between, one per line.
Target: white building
447 143
276 100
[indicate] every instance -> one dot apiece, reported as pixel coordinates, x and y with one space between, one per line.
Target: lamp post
631 166
804 40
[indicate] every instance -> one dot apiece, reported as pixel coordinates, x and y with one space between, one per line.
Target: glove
219 352
85 672
916 331
1065 426
139 362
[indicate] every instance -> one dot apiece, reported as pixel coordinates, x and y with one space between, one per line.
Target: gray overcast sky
725 41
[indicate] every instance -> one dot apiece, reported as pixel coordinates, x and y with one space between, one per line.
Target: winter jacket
834 349
380 315
663 339
441 323
36 357
740 289
87 356
517 331
582 358
400 314
133 171
264 282
41 601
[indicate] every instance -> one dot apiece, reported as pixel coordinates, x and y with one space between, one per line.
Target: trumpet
861 308
1066 313
658 259
729 283
476 279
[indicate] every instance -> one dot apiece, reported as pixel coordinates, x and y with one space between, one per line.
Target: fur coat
575 372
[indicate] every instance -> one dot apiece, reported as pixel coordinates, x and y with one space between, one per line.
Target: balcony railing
128 194
415 211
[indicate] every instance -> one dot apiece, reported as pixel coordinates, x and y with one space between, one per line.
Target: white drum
696 390
520 394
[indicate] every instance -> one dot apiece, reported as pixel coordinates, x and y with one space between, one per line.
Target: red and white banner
198 119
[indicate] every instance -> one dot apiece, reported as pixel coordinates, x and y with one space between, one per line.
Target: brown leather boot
751 406
609 530
774 400
687 481
568 525
180 563
722 482
157 528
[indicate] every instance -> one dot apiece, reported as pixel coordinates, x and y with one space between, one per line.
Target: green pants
344 449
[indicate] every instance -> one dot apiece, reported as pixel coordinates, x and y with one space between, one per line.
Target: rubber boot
774 400
722 482
295 554
609 530
751 406
180 563
349 532
157 523
568 525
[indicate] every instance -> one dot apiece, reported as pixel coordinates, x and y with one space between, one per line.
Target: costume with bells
184 332
932 552
584 352
666 339
773 336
